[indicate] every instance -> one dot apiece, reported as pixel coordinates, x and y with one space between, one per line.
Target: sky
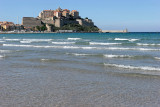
135 15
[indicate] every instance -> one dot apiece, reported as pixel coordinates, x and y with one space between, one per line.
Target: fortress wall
31 22
48 21
58 22
84 22
70 22
87 23
79 21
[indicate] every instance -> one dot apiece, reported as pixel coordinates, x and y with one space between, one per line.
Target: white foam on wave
147 49
70 47
145 44
132 40
90 48
124 39
140 49
14 45
38 46
74 38
99 43
36 40
25 41
12 39
158 58
62 43
78 54
33 46
121 39
79 47
126 56
133 67
118 56
44 59
1 56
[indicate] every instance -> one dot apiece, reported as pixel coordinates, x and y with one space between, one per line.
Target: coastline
66 32
24 32
41 32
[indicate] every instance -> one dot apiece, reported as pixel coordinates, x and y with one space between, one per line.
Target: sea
80 70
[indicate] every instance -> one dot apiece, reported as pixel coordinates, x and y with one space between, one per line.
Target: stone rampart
31 22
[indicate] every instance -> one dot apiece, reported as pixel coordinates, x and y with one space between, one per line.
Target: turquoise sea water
80 69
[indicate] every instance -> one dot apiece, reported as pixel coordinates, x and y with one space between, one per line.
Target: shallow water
80 69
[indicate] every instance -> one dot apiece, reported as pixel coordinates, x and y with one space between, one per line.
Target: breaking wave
12 39
124 39
25 41
78 54
98 43
80 47
44 59
133 67
118 56
14 45
158 58
1 56
132 40
139 49
37 40
132 57
62 43
115 56
74 38
28 40
145 44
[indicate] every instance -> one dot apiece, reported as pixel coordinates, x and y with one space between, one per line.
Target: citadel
58 18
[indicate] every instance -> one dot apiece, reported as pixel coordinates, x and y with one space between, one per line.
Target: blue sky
136 15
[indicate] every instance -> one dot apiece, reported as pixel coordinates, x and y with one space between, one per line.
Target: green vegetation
78 28
42 28
75 27
38 28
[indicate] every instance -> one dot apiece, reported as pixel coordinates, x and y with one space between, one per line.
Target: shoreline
66 32
41 32
24 32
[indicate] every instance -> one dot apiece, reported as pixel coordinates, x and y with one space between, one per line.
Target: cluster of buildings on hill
51 19
58 18
10 26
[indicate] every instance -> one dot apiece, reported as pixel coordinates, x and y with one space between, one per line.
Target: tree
79 28
38 28
43 28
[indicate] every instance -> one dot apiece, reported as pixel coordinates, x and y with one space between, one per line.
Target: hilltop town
59 20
